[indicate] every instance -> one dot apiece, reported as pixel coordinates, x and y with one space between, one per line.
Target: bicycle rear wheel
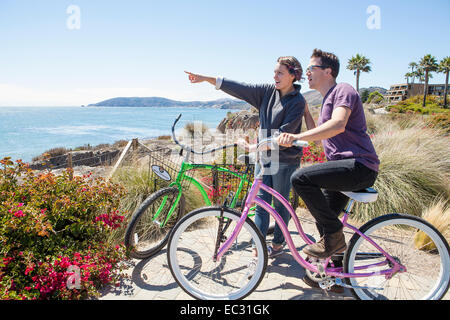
412 242
150 226
191 249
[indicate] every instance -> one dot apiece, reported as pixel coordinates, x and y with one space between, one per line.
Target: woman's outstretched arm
197 78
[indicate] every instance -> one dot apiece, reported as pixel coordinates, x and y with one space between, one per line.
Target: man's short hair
328 59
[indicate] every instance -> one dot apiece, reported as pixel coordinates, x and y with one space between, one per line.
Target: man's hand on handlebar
285 139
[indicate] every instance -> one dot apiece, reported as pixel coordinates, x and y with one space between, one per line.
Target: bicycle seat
366 195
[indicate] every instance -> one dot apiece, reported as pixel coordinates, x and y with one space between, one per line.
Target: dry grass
139 183
438 214
414 169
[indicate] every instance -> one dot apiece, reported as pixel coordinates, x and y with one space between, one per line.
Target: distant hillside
372 89
313 97
163 102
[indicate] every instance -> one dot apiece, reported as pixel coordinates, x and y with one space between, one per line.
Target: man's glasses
310 68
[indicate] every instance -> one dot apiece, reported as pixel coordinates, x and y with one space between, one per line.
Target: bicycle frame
335 272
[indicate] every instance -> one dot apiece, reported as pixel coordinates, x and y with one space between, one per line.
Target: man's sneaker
328 245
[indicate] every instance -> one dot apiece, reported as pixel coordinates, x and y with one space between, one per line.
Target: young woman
281 108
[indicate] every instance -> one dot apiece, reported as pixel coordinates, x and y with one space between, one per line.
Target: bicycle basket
223 182
164 168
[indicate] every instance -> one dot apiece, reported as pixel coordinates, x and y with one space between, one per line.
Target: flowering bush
313 154
52 234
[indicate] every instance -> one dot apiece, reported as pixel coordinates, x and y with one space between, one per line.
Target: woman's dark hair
292 64
327 59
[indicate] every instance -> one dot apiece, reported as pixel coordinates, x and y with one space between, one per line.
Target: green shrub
375 98
52 227
434 104
364 95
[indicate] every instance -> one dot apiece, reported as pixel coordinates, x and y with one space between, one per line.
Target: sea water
26 132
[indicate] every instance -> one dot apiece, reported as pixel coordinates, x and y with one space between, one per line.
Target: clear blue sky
141 48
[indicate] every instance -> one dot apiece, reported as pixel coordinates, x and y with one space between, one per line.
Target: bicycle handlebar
273 144
189 148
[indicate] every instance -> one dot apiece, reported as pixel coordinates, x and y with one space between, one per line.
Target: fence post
70 165
135 144
122 155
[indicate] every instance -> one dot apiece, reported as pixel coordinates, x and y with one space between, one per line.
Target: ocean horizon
27 132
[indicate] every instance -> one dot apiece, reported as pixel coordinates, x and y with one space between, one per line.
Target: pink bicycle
394 256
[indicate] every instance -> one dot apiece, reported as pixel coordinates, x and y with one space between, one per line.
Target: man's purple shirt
354 142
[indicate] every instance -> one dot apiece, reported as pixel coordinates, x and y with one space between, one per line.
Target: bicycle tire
191 249
397 234
144 235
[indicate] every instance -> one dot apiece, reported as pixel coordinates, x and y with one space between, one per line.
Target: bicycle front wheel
150 226
412 242
191 248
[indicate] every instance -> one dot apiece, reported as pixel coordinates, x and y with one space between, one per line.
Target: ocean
26 132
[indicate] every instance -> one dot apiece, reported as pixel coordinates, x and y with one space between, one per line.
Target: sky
77 52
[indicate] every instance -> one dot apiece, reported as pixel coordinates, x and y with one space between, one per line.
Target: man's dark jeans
319 186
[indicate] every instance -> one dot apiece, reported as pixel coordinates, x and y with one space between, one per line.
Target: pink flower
19 214
28 270
7 260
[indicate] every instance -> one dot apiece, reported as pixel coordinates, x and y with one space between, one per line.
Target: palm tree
359 64
413 66
428 64
409 75
419 74
444 67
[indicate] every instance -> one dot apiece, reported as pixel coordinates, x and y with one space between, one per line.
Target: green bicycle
151 223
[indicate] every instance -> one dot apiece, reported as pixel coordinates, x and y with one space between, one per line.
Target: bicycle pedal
327 284
312 259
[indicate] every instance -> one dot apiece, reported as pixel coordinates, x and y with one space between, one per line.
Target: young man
281 107
352 161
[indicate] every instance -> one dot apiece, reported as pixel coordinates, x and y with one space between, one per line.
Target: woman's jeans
282 184
319 185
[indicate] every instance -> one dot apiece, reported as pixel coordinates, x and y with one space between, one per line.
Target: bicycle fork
220 232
